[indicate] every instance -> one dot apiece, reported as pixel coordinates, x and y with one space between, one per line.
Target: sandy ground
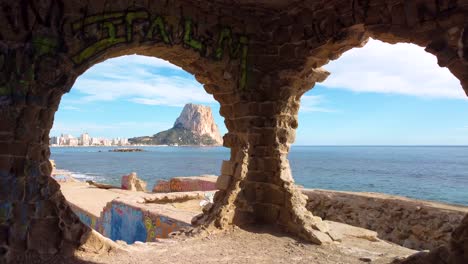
254 246
257 245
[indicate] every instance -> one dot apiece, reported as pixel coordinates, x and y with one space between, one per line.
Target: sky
380 94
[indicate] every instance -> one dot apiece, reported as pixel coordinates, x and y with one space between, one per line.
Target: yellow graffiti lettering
188 40
159 25
96 19
100 45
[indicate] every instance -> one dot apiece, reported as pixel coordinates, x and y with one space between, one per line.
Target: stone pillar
35 220
256 185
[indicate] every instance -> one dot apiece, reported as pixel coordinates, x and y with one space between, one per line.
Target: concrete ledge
132 216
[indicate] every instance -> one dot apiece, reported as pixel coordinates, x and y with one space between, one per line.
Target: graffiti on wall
23 65
140 26
120 221
87 218
20 69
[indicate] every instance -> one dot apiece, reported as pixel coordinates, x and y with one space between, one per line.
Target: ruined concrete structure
255 57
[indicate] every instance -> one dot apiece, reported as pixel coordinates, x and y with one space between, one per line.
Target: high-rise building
95 141
65 139
73 141
85 139
54 141
124 141
106 142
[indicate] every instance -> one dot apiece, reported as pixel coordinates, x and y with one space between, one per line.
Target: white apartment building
85 139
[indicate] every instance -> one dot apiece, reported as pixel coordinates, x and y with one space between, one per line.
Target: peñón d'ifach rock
194 126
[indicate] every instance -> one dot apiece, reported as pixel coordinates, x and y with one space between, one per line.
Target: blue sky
380 94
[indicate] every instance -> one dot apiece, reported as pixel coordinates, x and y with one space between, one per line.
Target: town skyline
84 139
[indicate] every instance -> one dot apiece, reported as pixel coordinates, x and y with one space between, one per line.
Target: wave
63 174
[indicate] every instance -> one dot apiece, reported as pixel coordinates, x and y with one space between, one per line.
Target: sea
436 173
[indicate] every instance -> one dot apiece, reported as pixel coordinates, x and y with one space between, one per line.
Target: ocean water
438 173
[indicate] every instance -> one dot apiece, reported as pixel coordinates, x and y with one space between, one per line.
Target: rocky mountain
194 126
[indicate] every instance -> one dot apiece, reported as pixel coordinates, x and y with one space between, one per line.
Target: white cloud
400 69
142 80
312 103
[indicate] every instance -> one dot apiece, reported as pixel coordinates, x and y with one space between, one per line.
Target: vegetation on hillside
176 135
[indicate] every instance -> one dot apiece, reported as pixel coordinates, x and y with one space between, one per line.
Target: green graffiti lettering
96 19
225 38
129 18
100 45
159 25
44 45
158 30
194 44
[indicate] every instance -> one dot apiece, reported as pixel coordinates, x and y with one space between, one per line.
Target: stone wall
411 223
186 184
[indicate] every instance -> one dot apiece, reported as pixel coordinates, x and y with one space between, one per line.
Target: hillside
194 126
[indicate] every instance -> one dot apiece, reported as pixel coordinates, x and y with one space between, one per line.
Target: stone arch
46 48
312 34
261 57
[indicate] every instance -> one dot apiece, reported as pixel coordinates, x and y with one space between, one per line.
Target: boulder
162 186
132 183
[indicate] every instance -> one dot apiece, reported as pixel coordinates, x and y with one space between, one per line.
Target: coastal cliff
194 126
199 120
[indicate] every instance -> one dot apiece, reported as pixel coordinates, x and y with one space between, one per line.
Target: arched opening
257 59
142 115
388 122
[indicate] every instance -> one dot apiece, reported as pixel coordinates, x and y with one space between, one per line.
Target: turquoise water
438 173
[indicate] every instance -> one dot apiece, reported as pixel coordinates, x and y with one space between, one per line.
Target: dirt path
260 246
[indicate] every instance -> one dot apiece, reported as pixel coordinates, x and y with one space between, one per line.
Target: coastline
391 217
202 146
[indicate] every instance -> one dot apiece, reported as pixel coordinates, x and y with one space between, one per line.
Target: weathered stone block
223 182
162 186
266 213
132 183
227 167
195 183
44 236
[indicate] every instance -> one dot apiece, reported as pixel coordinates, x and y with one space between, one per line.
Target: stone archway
314 34
48 45
255 58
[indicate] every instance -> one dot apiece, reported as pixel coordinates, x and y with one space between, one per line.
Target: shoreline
69 174
201 146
